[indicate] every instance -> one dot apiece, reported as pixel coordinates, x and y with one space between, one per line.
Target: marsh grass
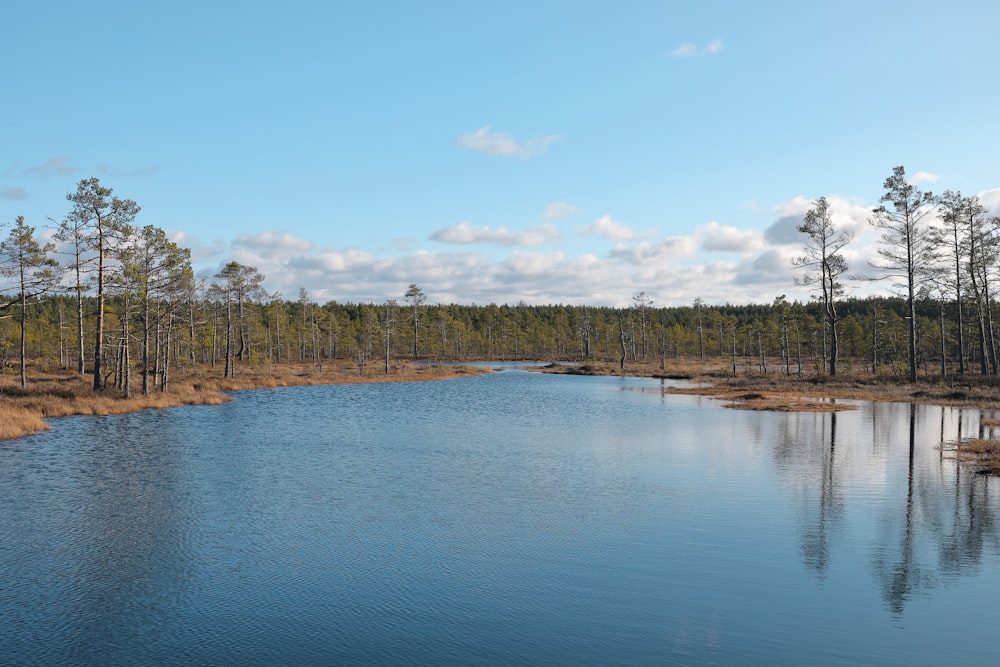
49 395
985 453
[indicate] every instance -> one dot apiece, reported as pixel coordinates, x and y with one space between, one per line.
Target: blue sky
546 152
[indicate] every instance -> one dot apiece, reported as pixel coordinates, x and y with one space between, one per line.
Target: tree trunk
24 312
81 352
99 335
145 346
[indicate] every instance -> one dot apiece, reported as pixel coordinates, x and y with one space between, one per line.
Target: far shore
61 393
776 390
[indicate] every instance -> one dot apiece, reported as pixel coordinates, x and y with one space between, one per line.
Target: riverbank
49 394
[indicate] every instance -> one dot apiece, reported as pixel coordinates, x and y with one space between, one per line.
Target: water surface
508 518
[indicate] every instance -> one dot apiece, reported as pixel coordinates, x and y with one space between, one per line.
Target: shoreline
50 395
66 393
776 392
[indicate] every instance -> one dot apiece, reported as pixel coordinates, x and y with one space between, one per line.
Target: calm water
514 518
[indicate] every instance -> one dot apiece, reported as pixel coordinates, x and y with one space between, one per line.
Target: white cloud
692 50
771 267
756 265
608 228
201 253
500 143
337 261
848 215
723 238
465 234
991 200
531 265
685 50
559 210
646 252
923 177
274 243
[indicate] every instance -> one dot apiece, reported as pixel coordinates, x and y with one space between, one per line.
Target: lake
511 518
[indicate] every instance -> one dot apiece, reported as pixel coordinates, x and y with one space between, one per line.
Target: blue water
512 518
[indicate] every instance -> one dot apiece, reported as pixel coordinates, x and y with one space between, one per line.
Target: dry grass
754 401
22 411
985 453
17 421
740 399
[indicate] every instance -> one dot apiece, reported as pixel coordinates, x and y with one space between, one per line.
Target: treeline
118 301
215 331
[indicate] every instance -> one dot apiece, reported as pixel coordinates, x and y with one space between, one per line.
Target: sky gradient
545 152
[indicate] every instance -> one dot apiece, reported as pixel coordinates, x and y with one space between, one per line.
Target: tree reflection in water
944 523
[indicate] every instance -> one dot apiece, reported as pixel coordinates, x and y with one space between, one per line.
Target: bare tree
952 240
642 302
73 232
823 264
981 255
417 298
907 249
389 325
698 304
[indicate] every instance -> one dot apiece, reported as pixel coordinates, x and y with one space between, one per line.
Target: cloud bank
467 263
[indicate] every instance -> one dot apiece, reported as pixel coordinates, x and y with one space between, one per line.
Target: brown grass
23 410
16 421
985 453
738 398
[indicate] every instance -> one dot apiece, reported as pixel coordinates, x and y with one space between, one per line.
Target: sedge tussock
984 452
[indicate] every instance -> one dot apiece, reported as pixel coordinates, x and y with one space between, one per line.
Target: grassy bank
65 393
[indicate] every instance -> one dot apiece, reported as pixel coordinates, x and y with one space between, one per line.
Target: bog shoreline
24 411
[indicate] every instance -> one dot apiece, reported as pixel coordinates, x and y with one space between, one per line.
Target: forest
121 303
